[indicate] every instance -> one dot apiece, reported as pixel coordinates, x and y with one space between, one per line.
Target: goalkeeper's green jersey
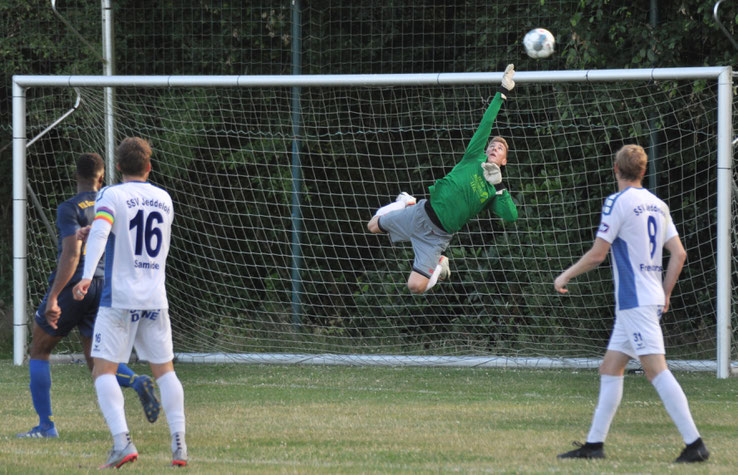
464 193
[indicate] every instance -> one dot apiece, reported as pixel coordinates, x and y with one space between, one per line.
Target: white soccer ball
539 43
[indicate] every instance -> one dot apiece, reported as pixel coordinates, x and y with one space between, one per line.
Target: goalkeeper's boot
116 458
694 452
39 432
585 451
406 198
445 268
144 386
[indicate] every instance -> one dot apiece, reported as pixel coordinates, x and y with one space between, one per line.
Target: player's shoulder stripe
609 204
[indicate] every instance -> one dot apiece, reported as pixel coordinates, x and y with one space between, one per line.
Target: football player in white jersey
636 225
132 226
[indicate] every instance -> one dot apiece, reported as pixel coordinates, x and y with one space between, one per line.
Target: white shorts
119 330
637 331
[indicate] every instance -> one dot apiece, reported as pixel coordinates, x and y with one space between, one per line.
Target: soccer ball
539 43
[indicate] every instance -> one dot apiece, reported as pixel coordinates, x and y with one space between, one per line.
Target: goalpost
274 178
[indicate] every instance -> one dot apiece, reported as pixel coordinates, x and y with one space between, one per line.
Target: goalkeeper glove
507 81
492 173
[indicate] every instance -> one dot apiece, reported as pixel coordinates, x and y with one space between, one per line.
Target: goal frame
722 74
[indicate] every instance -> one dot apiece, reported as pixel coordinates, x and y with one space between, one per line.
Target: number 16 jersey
135 218
637 224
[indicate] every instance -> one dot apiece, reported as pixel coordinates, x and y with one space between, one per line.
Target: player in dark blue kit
59 313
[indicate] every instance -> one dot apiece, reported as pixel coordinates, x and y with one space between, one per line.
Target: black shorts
74 313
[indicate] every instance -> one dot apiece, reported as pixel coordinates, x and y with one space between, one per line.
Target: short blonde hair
631 162
501 140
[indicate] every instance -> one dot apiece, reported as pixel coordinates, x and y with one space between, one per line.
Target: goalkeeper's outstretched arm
479 140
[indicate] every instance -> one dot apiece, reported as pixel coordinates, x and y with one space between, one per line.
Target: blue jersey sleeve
67 220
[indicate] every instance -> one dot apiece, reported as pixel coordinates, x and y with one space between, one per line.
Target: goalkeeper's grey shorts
413 224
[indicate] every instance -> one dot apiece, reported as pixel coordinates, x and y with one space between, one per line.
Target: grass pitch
300 419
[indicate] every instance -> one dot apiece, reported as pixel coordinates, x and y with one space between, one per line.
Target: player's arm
96 240
67 222
502 205
67 265
479 140
586 263
677 256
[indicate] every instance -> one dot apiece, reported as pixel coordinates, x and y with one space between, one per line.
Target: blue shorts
74 313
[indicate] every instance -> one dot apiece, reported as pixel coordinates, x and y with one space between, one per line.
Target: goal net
271 257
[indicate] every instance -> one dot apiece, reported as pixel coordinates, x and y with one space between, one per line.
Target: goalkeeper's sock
434 278
611 392
112 404
172 400
41 391
676 405
125 375
394 206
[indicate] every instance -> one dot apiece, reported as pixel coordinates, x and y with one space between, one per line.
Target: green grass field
305 419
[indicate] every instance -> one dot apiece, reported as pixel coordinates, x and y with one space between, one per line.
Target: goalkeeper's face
497 153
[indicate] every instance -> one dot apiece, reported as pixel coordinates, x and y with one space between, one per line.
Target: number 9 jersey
132 225
637 224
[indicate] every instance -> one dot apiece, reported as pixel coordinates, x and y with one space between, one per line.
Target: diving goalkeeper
473 185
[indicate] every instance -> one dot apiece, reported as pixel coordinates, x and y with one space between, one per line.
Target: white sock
178 440
111 401
434 278
676 405
172 400
121 440
611 392
397 205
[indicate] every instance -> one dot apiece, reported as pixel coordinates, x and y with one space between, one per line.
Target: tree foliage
213 37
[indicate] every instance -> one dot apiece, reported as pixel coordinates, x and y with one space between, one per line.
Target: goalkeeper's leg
418 283
402 201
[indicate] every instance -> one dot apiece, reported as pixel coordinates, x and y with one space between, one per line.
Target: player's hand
507 77
82 233
492 173
560 284
80 290
52 312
